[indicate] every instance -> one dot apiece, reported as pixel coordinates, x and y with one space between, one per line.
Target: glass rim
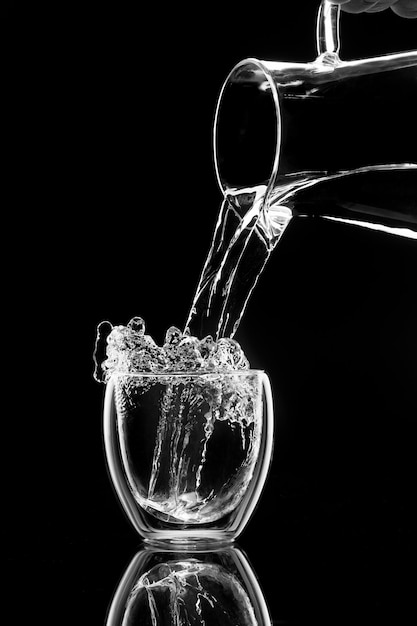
188 373
262 67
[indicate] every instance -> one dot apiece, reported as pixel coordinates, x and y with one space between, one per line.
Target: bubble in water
173 335
187 355
236 355
207 346
120 337
137 324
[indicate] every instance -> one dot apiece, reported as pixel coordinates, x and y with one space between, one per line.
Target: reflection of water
169 587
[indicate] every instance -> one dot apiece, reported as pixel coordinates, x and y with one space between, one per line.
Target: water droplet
128 349
173 335
137 324
164 571
103 331
206 346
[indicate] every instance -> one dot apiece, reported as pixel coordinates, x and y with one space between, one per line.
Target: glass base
193 541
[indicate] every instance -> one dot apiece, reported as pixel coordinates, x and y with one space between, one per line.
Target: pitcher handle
328 31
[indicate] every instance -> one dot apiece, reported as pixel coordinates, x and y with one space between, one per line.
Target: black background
112 207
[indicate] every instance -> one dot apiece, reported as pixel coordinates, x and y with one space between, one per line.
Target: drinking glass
188 453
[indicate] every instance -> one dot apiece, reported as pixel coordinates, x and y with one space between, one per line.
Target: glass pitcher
278 123
331 138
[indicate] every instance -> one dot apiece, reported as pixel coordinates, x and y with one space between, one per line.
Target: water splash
127 349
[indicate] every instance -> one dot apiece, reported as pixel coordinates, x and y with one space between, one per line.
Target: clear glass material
189 453
193 588
278 123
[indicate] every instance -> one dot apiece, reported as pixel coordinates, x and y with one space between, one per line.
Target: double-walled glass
189 453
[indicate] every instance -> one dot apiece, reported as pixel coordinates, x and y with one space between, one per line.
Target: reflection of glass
188 453
192 588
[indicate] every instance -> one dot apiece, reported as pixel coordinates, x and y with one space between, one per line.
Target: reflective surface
189 588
